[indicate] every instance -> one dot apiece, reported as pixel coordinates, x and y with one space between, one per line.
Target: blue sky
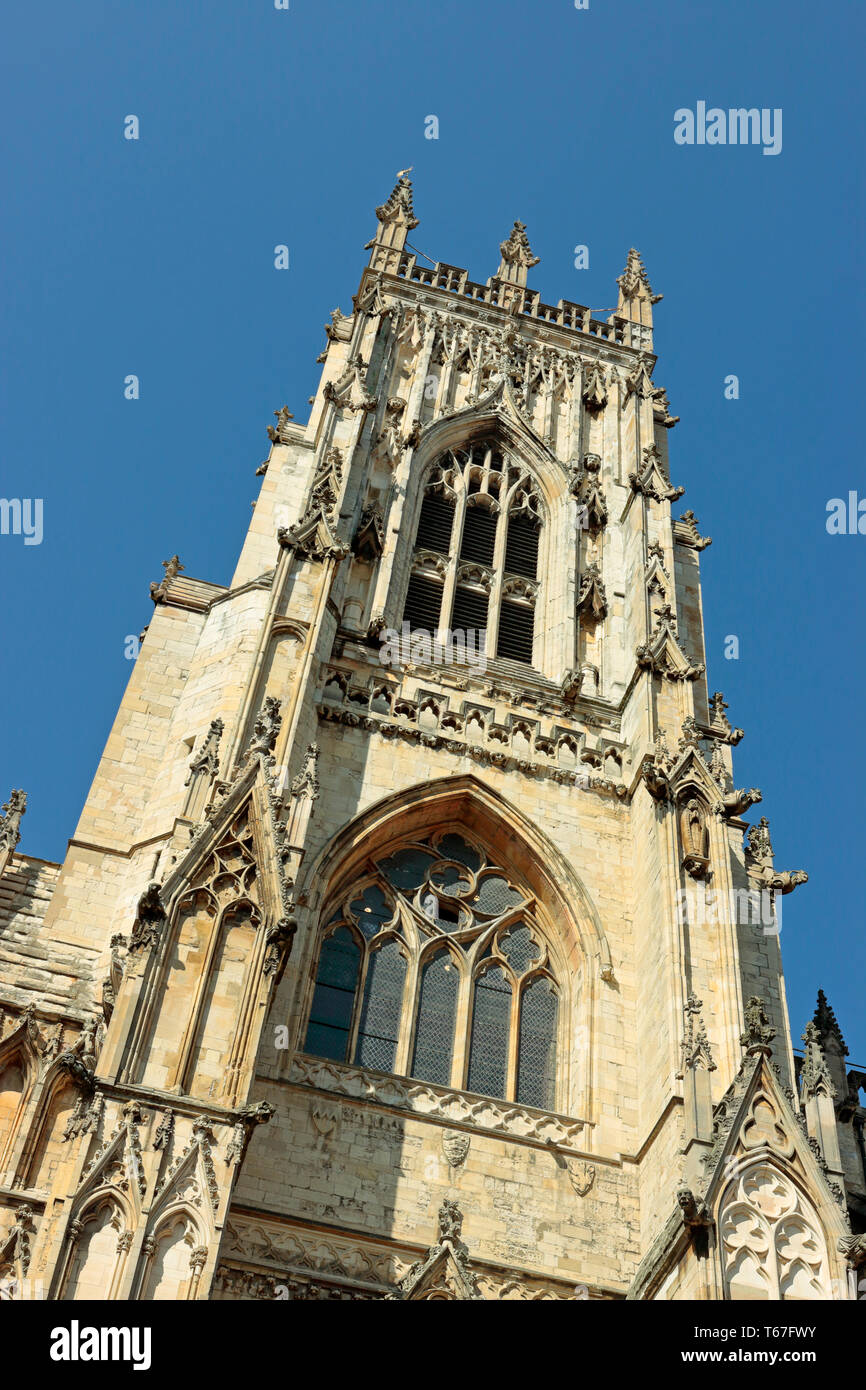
260 127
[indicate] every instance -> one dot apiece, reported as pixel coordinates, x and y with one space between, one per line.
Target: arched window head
474 565
435 966
771 1239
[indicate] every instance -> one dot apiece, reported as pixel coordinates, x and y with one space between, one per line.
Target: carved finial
207 757
695 1045
266 727
825 1022
396 219
760 844
759 1032
307 782
517 257
399 205
634 281
815 1077
591 598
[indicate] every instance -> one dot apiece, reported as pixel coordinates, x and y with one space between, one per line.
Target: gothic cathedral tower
411 943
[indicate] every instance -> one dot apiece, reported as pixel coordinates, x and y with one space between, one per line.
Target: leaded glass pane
450 880
518 948
380 1011
334 997
407 868
372 910
488 1048
434 1035
455 847
494 896
536 1060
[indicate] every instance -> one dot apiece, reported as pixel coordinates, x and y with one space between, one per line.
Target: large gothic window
434 967
475 562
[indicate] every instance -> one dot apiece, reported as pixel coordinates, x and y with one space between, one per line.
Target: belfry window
434 967
475 560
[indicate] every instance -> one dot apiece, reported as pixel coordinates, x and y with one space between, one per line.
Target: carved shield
455 1147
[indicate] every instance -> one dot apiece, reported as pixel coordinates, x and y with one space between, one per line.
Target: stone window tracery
434 966
771 1240
475 560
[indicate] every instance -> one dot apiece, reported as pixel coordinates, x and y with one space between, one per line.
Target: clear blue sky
261 127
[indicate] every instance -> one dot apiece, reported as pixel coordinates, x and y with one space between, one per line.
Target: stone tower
411 943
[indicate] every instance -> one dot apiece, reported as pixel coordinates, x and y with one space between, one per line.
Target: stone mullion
408 1014
450 585
355 1026
463 1022
513 1043
494 598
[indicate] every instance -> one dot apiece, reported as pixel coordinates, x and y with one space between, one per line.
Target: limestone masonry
381 964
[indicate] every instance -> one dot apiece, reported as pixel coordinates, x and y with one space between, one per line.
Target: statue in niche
695 838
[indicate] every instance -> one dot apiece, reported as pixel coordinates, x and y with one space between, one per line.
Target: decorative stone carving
694 835
594 392
517 257
585 487
720 722
206 759
662 653
771 1239
398 207
686 532
265 729
759 1032
760 862
163 1136
247 1118
581 1175
369 539
651 481
734 803
634 281
10 820
815 1076
854 1250
591 598
349 391
149 920
695 1046
172 568
307 781
444 1273
455 1147
280 433
481 1115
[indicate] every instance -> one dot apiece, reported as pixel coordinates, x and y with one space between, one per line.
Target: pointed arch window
475 560
435 966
